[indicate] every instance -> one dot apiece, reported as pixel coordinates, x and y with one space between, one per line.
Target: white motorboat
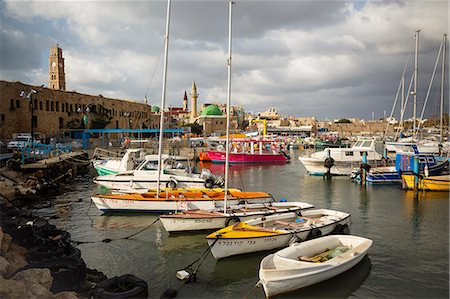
342 160
105 162
276 231
194 220
310 262
144 177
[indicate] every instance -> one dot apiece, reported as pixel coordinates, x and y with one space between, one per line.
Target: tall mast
415 82
402 109
163 97
441 127
227 151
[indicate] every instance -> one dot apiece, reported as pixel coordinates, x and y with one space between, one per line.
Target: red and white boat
251 151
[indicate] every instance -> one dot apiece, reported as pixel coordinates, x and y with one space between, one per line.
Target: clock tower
57 78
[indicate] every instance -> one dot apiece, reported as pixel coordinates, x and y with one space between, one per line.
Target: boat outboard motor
206 174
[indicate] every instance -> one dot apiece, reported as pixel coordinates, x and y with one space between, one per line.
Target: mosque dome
212 110
155 109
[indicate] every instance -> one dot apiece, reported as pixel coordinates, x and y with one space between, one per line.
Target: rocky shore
37 260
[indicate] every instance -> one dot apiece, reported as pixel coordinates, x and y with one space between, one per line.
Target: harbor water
408 259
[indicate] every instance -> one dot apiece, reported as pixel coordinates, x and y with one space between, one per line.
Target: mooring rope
257 285
107 240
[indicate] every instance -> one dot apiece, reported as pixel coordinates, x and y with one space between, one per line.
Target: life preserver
273 146
238 146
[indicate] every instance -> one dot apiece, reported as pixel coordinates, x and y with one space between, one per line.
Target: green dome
155 109
212 110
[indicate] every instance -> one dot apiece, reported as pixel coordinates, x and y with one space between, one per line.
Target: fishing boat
250 151
431 183
195 220
342 160
175 200
276 231
403 164
307 263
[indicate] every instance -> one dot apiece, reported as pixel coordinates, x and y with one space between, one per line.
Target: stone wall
56 111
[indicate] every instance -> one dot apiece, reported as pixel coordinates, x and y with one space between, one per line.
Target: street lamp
27 96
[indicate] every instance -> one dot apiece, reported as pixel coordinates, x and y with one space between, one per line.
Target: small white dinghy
310 262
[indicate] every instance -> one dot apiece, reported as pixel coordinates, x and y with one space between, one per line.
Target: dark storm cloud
309 58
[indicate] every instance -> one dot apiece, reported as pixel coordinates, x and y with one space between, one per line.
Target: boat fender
172 183
232 220
328 162
365 166
125 286
314 233
345 229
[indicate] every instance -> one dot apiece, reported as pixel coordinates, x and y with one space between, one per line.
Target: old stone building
55 111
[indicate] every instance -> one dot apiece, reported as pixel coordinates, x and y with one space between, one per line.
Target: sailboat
203 219
170 200
429 144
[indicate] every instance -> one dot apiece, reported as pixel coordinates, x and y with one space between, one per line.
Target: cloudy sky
328 59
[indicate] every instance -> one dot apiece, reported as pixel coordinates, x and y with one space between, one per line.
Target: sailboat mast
441 127
227 151
163 97
416 58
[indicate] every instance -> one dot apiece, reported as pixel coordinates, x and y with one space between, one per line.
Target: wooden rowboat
310 262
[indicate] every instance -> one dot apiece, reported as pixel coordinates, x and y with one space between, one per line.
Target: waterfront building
56 111
214 121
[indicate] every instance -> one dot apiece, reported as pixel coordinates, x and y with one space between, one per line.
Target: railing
44 151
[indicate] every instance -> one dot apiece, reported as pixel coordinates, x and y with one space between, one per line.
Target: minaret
194 96
185 102
57 78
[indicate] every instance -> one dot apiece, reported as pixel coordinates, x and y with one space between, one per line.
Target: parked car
3 147
21 141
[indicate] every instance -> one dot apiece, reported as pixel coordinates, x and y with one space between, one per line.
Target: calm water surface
409 256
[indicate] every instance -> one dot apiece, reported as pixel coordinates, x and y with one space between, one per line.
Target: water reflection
112 221
181 243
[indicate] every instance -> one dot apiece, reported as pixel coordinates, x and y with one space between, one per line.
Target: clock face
53 64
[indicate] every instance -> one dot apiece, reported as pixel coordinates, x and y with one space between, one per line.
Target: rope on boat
257 285
193 273
107 240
